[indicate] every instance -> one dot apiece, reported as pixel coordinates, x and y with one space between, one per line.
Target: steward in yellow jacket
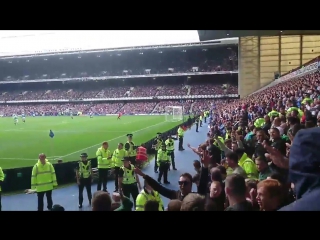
43 181
147 194
1 182
247 164
105 164
117 157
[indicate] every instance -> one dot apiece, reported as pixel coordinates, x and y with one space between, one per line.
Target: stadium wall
19 179
261 58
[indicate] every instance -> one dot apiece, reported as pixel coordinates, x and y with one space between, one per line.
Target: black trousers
172 159
131 189
197 127
205 119
200 123
116 176
163 171
85 183
0 203
133 160
155 161
41 197
103 178
180 142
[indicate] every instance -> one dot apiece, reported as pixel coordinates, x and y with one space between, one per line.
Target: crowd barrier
19 179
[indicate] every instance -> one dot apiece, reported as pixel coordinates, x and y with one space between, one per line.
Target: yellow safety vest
1 176
129 177
84 169
169 145
102 156
43 177
117 157
180 132
144 196
131 152
163 157
158 144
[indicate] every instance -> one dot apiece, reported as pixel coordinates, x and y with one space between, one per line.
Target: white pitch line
26 159
70 154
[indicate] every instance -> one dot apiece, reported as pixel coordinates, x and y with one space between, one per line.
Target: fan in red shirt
119 116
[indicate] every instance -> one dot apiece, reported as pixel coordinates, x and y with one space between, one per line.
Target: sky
31 41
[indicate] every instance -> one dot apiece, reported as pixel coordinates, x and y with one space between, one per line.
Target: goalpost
174 113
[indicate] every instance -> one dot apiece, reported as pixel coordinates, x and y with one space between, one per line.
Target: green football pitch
20 144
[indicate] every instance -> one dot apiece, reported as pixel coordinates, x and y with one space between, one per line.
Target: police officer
131 149
157 145
1 182
105 163
84 177
200 119
128 180
164 161
170 148
197 124
180 134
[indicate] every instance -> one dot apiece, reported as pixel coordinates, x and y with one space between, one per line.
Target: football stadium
207 120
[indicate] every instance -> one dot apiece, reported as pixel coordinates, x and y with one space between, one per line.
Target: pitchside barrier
19 179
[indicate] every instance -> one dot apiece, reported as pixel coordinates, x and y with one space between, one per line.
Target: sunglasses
185 183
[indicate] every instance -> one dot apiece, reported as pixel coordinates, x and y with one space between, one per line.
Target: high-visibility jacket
43 177
158 143
163 157
1 177
85 169
144 196
130 148
169 144
249 167
259 122
180 132
129 176
273 113
104 158
142 154
117 157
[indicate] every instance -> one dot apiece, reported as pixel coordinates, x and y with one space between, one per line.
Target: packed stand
144 91
43 109
173 90
124 63
213 89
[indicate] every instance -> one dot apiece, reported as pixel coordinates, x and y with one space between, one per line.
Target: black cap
159 133
83 155
129 135
57 208
125 159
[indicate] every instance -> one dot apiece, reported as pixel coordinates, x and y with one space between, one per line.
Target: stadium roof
33 42
205 35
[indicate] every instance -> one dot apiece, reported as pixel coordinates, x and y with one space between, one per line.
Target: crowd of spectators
130 108
222 58
120 92
261 154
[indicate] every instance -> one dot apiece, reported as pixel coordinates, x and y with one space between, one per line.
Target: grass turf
20 144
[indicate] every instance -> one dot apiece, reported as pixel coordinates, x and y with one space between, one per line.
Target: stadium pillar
290 53
310 47
270 58
249 65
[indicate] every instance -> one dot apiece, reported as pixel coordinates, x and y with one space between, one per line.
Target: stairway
155 107
189 90
191 107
